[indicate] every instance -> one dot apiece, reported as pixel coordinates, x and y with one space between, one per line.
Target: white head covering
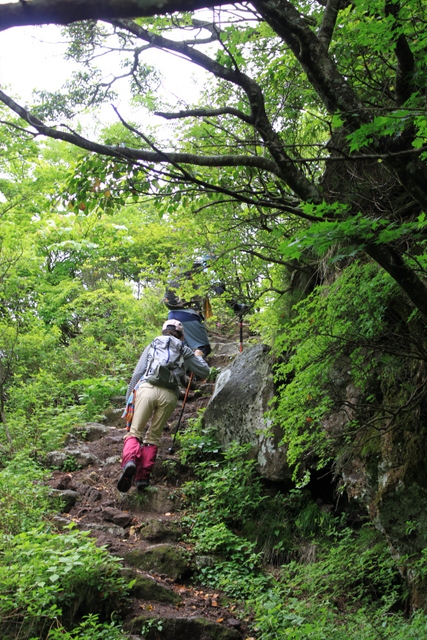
173 324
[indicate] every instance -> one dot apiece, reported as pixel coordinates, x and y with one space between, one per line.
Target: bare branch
206 113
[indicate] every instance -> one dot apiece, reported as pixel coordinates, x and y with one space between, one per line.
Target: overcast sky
32 58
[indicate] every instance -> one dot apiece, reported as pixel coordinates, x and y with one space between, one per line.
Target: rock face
237 410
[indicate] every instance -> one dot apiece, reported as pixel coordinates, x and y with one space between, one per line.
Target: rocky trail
144 529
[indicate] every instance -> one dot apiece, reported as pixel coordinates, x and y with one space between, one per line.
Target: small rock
92 431
61 522
157 530
117 517
232 622
67 497
111 529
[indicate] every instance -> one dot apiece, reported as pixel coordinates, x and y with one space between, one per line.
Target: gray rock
238 406
111 529
117 517
92 431
61 522
113 416
159 531
66 497
156 499
225 348
55 459
80 458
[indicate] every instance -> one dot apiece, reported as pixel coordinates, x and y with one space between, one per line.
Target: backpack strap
150 360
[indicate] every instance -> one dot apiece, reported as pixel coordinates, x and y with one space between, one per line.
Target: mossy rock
181 629
165 559
155 499
145 588
160 531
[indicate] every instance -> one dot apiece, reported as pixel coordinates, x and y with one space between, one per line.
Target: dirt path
144 530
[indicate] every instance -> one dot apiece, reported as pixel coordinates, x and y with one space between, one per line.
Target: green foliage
332 583
197 442
95 393
89 629
151 625
350 574
24 499
219 539
347 236
336 336
47 577
227 489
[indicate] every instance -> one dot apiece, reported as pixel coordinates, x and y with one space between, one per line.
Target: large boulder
238 406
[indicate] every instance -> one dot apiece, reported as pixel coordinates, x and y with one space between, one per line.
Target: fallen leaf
220 620
214 603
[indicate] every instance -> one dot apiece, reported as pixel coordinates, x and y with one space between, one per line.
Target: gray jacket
194 363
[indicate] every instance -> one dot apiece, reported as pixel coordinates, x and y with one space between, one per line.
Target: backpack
164 364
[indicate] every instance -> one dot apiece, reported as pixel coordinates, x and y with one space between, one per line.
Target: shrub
45 577
24 499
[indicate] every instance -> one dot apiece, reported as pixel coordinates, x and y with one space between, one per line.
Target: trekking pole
171 448
241 333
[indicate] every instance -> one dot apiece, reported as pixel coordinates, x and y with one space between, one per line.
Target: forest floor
129 523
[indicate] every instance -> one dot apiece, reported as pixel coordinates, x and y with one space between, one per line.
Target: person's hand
198 352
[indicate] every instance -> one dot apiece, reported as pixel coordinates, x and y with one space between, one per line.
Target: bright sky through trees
32 58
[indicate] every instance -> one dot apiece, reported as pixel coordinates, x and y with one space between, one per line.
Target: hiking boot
141 485
124 483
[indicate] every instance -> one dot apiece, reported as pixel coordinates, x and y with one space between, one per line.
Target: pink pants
144 456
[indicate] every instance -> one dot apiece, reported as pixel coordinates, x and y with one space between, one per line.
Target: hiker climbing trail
144 529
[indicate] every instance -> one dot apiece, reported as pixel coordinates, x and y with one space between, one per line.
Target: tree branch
133 155
36 12
288 172
405 58
405 277
328 23
206 113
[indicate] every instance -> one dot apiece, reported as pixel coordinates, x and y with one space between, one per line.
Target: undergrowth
50 582
303 573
